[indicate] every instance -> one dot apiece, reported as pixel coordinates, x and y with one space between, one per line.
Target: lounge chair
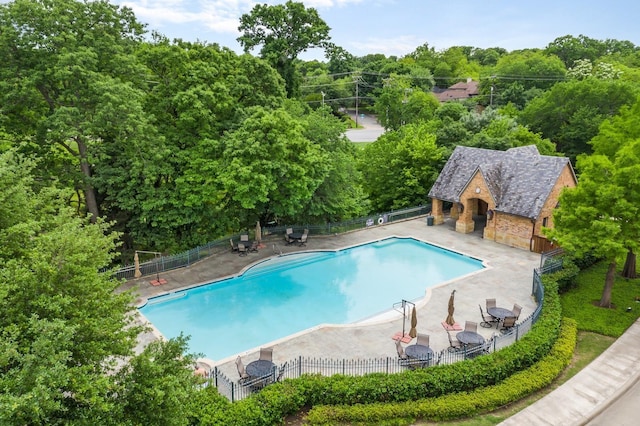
454 344
471 326
487 321
422 339
244 377
266 353
233 247
242 249
516 310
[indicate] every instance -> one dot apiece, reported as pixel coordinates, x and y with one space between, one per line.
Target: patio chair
244 238
400 350
303 240
516 310
281 371
242 249
487 321
491 303
508 323
266 353
422 339
244 377
471 326
454 344
287 237
233 247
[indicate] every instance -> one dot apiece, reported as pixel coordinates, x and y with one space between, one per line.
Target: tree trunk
605 301
89 193
629 270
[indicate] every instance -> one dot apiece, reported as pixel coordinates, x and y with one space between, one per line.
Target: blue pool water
288 294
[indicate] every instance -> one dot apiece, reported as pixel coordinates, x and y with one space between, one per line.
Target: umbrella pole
404 315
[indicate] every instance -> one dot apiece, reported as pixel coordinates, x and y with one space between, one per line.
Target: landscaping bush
566 277
461 404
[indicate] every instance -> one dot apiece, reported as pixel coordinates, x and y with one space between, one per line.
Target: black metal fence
236 389
181 260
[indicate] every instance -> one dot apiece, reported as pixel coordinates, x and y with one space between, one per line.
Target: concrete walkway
586 397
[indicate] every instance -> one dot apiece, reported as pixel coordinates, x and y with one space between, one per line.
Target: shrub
461 404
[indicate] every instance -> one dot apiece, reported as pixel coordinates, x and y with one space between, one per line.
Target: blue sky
397 27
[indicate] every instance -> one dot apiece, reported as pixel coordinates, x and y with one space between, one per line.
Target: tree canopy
600 215
284 31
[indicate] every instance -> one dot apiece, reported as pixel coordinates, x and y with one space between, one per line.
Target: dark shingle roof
519 179
462 90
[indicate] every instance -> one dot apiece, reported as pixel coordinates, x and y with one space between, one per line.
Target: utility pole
322 98
356 102
491 97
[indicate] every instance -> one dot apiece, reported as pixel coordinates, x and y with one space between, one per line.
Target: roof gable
461 90
519 179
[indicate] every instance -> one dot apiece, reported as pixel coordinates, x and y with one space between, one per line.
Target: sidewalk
591 391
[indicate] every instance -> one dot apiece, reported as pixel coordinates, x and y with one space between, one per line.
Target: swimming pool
287 294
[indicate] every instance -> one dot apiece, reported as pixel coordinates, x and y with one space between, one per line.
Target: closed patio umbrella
450 319
258 232
414 323
136 263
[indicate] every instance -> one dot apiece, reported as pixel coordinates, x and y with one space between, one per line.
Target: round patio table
260 368
500 313
470 338
419 351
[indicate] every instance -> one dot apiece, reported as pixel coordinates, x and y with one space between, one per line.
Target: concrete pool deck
507 278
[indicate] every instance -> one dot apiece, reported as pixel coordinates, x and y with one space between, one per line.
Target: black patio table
500 313
421 353
470 338
260 368
295 236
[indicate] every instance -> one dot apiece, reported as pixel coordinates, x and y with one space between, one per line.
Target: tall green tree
601 215
569 113
269 168
65 332
518 73
199 92
70 83
284 31
399 168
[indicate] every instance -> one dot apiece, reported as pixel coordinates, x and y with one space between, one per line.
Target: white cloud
220 16
396 46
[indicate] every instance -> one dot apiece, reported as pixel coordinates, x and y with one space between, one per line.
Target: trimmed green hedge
461 404
271 405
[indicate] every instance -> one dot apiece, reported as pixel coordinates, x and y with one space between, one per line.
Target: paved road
370 130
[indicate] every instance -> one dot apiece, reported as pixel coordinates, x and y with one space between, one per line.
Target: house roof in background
461 90
519 179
